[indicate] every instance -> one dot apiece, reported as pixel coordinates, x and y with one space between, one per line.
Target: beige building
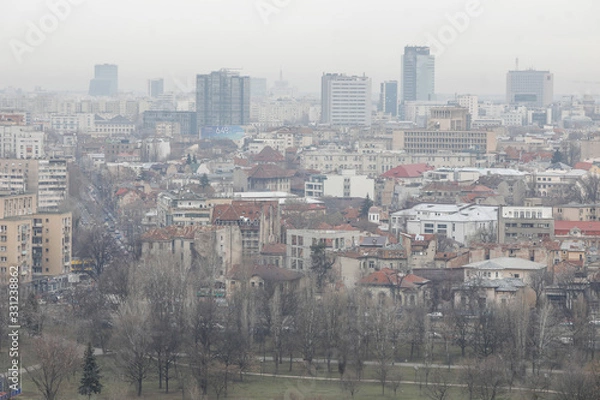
576 212
36 243
432 141
51 243
47 178
448 118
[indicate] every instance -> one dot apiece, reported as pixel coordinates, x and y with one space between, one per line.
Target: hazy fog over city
179 38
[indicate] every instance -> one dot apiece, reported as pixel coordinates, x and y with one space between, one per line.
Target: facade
22 142
182 121
115 126
379 162
345 100
418 74
67 123
530 88
106 80
47 178
470 102
299 242
517 224
222 99
156 87
346 184
182 209
388 98
576 212
432 141
462 223
51 238
448 118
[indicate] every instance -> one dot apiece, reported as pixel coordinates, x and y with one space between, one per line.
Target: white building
457 221
53 183
346 100
530 88
299 242
23 142
66 123
346 184
471 102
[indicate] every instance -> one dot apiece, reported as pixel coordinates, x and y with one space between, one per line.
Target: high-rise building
106 80
156 87
345 100
388 98
529 88
418 74
470 102
222 98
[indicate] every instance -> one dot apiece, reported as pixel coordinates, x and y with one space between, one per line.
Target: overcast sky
176 39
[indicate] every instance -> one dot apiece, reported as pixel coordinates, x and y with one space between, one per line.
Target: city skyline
473 58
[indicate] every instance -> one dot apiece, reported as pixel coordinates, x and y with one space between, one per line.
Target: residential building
116 126
106 80
502 268
432 141
463 223
182 209
388 98
183 122
262 178
407 290
52 238
407 173
257 223
418 74
378 162
524 223
24 142
576 212
67 123
15 249
47 178
345 100
530 88
345 184
470 102
222 99
299 242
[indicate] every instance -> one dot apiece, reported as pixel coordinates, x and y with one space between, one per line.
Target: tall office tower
471 102
106 80
345 100
418 74
222 98
156 87
388 98
529 88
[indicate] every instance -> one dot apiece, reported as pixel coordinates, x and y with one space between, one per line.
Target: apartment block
299 242
51 243
346 100
23 142
433 141
532 223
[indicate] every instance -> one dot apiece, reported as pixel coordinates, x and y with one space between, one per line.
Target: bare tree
485 379
585 190
58 359
98 245
350 382
439 387
577 383
132 337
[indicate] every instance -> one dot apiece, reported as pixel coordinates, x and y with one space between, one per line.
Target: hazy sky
176 39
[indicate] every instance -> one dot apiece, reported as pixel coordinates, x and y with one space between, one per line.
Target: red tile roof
269 171
390 277
267 155
237 209
407 171
273 249
588 228
583 165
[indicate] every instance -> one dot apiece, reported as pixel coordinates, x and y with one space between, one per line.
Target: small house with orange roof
407 290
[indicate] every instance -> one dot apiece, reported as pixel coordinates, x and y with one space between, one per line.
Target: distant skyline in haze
178 39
